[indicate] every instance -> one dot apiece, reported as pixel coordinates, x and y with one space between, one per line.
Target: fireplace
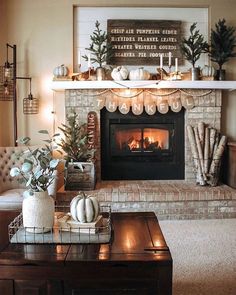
142 147
207 108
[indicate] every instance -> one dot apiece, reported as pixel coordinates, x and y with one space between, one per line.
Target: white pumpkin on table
84 208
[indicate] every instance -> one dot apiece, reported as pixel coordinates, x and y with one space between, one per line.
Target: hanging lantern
30 105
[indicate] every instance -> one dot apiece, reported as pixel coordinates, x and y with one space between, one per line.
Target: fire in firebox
146 139
148 144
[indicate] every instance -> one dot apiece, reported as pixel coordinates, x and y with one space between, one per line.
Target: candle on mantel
161 61
176 64
169 64
79 57
89 60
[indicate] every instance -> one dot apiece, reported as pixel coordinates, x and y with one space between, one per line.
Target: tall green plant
100 48
75 143
223 42
194 45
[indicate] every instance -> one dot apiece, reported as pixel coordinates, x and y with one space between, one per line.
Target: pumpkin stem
83 194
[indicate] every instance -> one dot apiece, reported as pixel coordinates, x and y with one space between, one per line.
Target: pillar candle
161 61
89 60
169 59
79 57
176 64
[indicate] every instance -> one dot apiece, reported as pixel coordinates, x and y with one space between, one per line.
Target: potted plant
80 170
100 49
192 48
222 44
38 172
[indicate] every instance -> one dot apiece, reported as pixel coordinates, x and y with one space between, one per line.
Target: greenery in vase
100 48
194 45
38 170
222 44
75 143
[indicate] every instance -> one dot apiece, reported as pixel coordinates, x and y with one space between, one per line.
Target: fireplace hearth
142 147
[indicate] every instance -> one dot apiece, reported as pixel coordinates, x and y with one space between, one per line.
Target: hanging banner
163 107
176 105
188 102
150 105
137 105
111 104
100 102
148 101
124 105
150 109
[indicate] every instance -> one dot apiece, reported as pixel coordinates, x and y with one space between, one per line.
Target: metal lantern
6 83
30 105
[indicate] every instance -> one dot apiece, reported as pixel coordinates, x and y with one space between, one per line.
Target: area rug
204 256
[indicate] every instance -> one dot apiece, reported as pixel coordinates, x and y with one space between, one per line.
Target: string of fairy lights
142 91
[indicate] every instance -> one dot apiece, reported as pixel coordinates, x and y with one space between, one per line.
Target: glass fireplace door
134 138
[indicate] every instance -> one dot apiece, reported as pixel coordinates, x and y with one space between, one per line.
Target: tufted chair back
8 159
11 191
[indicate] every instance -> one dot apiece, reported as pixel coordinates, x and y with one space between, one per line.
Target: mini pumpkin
84 208
61 71
208 71
120 73
139 74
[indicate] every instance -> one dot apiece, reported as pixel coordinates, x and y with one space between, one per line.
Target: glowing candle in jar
176 64
169 59
79 58
89 60
161 61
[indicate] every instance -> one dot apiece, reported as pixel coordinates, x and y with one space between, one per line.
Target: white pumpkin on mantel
139 74
84 208
119 73
208 71
61 71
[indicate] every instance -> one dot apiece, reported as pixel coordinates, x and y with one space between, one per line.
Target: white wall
84 25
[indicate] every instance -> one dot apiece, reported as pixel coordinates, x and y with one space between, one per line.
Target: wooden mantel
63 85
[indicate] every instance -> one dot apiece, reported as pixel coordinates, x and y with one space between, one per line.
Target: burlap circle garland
151 102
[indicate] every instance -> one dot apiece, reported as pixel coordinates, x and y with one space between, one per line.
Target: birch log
206 150
201 133
215 164
212 142
200 153
193 146
217 140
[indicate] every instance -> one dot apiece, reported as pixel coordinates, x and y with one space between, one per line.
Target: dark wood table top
136 237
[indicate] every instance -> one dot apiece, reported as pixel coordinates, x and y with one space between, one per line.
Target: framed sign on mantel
142 42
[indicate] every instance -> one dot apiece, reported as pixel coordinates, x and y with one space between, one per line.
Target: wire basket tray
62 234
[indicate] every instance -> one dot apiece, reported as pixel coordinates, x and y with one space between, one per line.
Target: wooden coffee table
136 261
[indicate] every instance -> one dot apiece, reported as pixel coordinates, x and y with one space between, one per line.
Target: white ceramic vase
38 212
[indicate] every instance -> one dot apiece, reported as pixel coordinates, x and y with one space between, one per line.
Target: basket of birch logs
207 147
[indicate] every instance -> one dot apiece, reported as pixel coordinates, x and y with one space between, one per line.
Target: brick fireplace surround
170 199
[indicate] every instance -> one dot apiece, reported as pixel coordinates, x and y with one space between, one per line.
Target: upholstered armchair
11 191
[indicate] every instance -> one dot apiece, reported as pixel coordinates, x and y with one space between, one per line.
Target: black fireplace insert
142 147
